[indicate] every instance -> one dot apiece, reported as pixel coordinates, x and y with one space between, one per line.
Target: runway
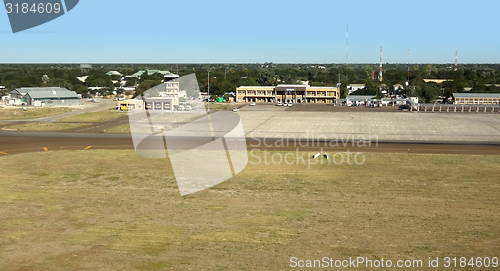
12 143
396 133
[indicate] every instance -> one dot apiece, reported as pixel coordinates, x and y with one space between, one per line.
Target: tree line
225 78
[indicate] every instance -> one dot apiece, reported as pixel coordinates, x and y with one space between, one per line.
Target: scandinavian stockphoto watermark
26 14
204 148
318 142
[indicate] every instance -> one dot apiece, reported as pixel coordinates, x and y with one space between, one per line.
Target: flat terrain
336 108
44 126
274 121
357 124
223 106
113 210
25 142
100 116
17 113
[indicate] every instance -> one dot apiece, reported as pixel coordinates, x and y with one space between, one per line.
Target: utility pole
347 54
408 67
208 109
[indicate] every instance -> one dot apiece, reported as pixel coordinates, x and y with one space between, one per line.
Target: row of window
309 93
477 100
170 85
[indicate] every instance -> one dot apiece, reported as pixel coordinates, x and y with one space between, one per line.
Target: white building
354 87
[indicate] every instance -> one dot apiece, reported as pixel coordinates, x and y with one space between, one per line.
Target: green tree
429 92
145 85
79 89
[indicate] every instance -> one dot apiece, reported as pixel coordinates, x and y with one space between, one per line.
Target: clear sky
220 31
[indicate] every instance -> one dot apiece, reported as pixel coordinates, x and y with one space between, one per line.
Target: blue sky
219 31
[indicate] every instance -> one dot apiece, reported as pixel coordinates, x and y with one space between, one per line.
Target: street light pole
208 90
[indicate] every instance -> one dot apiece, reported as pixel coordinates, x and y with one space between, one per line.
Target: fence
478 108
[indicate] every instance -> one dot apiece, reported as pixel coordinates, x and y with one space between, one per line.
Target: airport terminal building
287 94
476 98
163 97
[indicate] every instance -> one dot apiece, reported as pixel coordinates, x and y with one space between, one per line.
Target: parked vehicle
252 104
279 104
404 107
188 108
236 109
180 108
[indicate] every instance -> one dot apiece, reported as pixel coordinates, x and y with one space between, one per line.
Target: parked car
279 104
180 108
236 109
252 104
188 108
404 107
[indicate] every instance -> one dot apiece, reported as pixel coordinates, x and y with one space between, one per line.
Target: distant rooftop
29 89
256 87
319 87
149 72
291 86
360 97
43 93
114 73
171 75
438 81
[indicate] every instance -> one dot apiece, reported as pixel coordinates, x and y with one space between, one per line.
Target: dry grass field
222 106
121 129
100 116
17 113
113 210
44 126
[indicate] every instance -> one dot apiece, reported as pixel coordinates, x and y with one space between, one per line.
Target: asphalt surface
91 137
26 142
